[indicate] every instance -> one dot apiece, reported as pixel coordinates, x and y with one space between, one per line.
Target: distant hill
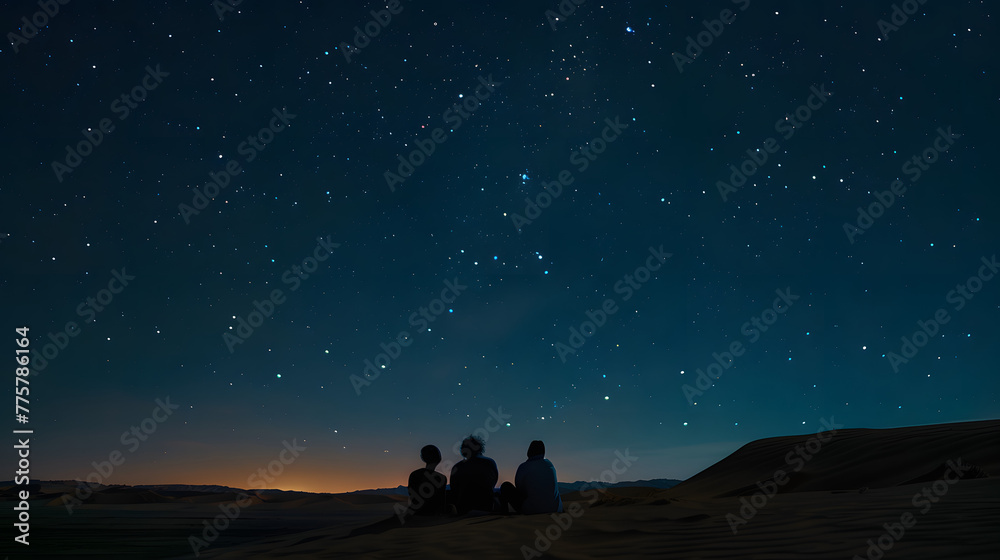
213 489
564 487
397 491
185 490
660 483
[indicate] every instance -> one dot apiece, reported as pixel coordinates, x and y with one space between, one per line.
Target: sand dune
833 506
852 459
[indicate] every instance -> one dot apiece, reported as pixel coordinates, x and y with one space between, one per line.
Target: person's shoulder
416 476
429 475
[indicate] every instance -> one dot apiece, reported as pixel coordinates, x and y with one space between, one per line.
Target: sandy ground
842 496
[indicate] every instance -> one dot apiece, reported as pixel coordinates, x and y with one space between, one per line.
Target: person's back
536 481
427 492
427 486
473 479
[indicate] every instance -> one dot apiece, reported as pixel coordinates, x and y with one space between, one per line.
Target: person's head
473 446
536 448
430 454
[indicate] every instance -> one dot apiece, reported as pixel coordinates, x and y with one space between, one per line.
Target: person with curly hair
473 478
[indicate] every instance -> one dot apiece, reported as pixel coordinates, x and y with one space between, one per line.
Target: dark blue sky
604 108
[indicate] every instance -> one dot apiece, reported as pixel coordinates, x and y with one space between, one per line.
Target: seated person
535 488
473 478
427 486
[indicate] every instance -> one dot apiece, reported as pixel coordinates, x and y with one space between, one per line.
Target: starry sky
548 225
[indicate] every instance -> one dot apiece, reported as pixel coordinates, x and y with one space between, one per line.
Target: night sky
248 311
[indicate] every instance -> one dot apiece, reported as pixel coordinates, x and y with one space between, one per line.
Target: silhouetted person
427 486
473 478
535 488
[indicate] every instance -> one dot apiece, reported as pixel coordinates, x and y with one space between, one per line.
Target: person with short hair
426 486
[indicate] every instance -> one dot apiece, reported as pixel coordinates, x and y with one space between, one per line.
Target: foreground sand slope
857 481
